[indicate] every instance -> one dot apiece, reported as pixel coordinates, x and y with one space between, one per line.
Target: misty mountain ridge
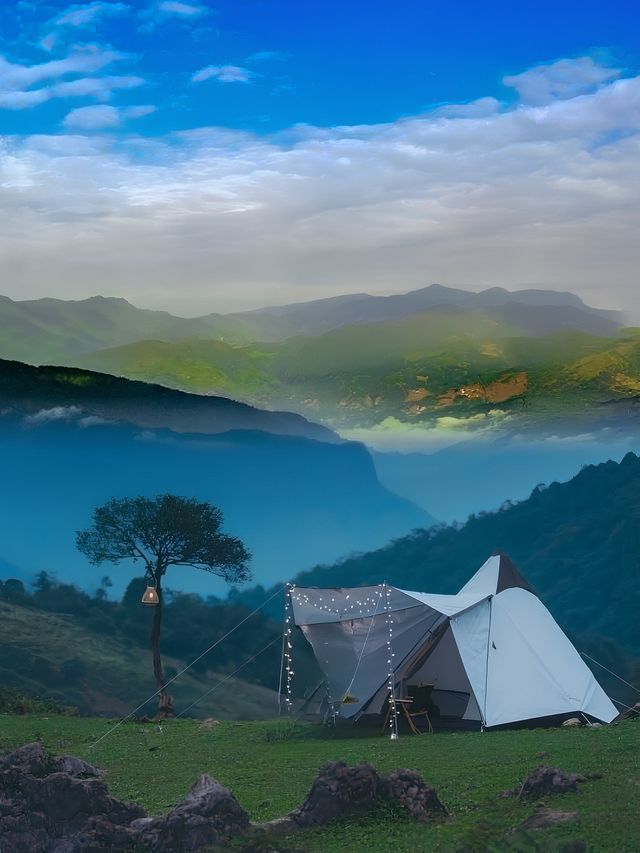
36 391
39 331
322 315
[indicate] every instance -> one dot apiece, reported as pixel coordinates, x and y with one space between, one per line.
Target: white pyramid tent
490 655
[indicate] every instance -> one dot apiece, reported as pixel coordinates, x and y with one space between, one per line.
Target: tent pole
486 669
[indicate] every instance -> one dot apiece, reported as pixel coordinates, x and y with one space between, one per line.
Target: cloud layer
27 86
542 192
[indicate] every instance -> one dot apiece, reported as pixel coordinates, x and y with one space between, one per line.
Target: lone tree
163 531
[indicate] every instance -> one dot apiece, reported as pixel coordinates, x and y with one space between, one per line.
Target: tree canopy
164 531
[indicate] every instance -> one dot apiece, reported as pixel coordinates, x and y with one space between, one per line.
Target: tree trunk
165 700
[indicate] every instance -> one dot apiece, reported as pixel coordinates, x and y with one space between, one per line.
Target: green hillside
415 370
195 365
45 330
65 658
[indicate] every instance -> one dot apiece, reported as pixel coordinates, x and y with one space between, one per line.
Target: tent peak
497 574
509 575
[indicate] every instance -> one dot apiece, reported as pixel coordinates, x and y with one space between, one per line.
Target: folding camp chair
405 705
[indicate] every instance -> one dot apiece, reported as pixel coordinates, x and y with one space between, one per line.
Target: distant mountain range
350 361
69 440
323 315
45 331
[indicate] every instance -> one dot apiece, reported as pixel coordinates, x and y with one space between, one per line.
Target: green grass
270 766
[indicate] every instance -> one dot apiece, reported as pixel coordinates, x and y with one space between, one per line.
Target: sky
219 156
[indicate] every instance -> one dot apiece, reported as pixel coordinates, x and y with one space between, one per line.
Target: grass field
270 766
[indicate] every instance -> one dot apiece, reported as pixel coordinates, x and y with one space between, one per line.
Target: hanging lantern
150 597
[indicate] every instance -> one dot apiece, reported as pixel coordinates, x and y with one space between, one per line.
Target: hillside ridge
44 330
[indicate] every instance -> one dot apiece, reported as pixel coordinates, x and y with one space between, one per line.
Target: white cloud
16 81
93 420
57 413
560 80
82 15
480 108
169 10
84 60
223 73
63 414
491 194
100 88
185 10
103 116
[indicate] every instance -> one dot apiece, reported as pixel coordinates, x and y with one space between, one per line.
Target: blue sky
221 155
326 64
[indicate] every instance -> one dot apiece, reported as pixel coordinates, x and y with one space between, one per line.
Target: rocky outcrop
408 790
62 805
340 791
209 815
549 780
45 802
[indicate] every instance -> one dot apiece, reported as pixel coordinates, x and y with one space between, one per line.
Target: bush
16 703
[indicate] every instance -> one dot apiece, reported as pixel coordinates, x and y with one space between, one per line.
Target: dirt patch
414 395
505 388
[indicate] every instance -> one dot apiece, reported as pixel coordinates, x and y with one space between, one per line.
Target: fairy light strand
393 717
352 605
288 648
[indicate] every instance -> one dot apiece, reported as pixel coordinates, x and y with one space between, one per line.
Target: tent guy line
597 662
364 645
230 675
186 668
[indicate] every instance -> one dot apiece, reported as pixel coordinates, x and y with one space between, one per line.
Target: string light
288 647
364 606
393 717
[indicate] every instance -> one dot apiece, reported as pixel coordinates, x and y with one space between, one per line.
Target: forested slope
577 543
